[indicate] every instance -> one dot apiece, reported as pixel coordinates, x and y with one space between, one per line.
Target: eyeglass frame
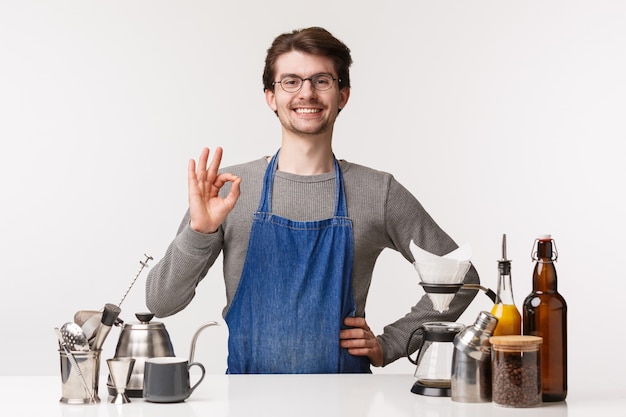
305 79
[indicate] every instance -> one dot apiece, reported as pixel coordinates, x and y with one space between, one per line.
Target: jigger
120 370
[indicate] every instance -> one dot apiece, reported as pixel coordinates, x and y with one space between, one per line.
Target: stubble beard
309 129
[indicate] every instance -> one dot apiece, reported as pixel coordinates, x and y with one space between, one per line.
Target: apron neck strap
265 204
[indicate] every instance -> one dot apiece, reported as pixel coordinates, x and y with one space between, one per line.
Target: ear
270 99
344 95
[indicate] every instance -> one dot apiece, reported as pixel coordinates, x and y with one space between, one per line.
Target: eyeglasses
320 82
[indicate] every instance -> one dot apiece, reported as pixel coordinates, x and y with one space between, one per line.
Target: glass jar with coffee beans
516 370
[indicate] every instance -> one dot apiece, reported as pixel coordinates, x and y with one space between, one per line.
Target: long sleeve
407 220
171 283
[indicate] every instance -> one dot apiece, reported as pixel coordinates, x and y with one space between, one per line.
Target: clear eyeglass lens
321 82
291 84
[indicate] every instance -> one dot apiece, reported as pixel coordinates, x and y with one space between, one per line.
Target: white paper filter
448 269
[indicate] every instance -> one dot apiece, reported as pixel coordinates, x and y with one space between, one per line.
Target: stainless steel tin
471 380
72 388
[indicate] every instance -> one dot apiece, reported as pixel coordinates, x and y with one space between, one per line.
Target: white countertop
383 395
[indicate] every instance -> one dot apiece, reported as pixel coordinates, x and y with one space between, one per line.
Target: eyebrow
299 76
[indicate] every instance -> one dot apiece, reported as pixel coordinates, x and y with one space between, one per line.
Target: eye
290 82
323 80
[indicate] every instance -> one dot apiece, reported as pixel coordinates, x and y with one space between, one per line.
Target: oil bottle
509 317
545 315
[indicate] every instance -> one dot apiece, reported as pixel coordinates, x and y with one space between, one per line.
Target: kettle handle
192 351
408 344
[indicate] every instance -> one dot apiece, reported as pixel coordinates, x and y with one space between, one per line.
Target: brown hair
315 41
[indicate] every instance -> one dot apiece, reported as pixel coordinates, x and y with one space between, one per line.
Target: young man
300 232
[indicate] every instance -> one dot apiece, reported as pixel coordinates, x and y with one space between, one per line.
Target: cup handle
198 364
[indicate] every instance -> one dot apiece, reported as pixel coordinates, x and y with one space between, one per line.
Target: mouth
307 110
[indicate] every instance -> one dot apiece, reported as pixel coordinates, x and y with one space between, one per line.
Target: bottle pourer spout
504 265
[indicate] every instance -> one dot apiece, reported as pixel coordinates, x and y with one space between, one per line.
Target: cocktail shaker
471 361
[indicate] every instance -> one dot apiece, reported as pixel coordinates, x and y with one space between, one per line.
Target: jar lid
516 341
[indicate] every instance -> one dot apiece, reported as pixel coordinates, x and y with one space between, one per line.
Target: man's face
307 111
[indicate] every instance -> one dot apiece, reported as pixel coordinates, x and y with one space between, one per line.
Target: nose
307 89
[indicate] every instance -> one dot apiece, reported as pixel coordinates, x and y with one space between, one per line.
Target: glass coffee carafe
434 360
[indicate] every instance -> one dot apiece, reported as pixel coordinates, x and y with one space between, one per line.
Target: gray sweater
384 215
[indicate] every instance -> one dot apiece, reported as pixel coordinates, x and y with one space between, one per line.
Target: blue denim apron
294 293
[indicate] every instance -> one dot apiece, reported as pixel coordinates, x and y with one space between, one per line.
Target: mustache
312 103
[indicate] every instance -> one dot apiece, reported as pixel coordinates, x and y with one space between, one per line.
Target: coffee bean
516 378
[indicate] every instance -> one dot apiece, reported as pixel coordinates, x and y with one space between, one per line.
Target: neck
306 156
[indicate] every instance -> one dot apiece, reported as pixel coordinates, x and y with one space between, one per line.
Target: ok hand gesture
206 208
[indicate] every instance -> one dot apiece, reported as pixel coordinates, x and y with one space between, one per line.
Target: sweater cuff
387 358
196 243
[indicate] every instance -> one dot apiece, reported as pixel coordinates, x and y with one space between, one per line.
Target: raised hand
206 208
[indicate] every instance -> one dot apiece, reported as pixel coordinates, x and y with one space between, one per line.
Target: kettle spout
195 338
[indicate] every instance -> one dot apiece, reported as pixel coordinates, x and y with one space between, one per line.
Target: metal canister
80 386
471 380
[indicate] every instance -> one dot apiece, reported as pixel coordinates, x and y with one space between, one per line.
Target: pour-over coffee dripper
442 293
442 276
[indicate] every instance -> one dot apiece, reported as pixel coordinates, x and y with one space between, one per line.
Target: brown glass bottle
545 315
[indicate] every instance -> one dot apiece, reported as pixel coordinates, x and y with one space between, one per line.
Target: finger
354 343
214 166
355 334
192 178
223 178
356 322
234 193
191 170
359 351
202 160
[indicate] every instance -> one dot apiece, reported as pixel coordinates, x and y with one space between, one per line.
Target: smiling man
300 232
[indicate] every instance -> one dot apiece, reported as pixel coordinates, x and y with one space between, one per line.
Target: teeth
308 111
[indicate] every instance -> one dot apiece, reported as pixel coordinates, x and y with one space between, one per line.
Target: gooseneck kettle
140 341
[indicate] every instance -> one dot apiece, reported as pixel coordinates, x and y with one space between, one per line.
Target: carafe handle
408 344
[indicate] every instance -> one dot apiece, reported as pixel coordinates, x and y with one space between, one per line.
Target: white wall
501 116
